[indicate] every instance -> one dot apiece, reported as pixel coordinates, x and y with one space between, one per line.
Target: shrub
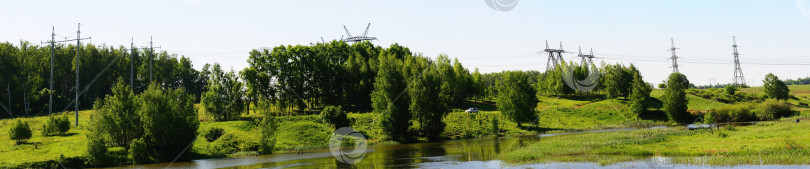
267 128
140 153
709 118
115 117
773 109
730 127
734 113
117 156
731 89
20 132
335 116
169 120
56 126
495 128
213 134
96 152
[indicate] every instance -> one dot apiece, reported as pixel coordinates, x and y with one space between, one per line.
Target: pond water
464 154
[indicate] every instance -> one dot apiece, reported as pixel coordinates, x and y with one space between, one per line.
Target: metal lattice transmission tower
586 59
559 54
554 56
739 79
552 59
355 39
674 57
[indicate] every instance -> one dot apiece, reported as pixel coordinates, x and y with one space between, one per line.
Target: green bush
731 90
56 126
213 134
115 118
335 116
773 109
267 128
769 110
233 142
734 113
117 156
20 132
469 125
96 152
495 126
140 153
169 120
727 95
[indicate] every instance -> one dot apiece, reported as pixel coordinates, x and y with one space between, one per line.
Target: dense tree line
799 81
614 80
403 87
337 73
26 72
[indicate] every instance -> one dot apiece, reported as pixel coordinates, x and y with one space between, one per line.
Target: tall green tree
674 98
26 70
463 83
388 101
775 88
224 96
516 99
617 80
478 85
169 121
426 104
115 117
640 95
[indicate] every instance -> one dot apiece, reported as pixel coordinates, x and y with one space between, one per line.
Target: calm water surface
463 154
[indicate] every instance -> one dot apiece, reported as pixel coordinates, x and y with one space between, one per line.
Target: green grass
695 103
304 132
39 147
469 125
239 136
302 135
779 142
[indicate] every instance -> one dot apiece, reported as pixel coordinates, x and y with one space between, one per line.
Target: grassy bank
777 142
555 115
39 147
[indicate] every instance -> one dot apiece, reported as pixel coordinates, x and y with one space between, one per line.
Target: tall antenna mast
739 79
674 57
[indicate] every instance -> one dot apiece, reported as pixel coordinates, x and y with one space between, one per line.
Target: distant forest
799 81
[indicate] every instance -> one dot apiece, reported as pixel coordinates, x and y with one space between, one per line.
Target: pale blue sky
638 31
